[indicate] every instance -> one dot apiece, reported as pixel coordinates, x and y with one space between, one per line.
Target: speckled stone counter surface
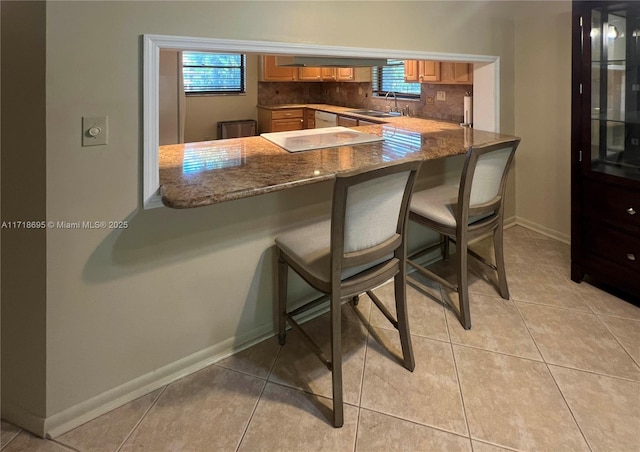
209 172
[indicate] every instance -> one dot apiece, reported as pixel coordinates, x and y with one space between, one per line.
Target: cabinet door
311 74
411 71
429 71
273 73
461 73
328 73
614 143
345 74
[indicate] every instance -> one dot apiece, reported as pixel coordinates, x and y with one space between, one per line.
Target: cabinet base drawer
288 113
618 206
612 245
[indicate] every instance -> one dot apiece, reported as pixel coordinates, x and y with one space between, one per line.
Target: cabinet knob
631 256
631 211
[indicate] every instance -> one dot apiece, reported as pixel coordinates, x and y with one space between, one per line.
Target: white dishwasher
324 119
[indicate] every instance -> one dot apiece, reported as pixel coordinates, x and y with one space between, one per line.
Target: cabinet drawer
613 205
347 122
284 125
287 114
613 245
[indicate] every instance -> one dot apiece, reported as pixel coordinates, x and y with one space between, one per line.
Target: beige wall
23 198
543 117
126 308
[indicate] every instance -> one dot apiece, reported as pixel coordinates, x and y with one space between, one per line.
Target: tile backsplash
358 95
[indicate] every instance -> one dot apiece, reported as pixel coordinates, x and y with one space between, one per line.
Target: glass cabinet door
615 90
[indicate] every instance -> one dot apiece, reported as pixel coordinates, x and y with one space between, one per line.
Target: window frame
242 88
377 83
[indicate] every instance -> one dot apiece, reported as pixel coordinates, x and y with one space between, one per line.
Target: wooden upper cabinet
317 74
272 73
421 71
345 74
328 73
461 73
438 72
313 74
411 71
269 72
429 71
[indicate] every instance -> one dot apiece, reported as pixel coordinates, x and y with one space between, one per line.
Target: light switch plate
441 95
94 130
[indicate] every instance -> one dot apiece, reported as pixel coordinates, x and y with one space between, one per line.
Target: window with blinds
391 78
213 73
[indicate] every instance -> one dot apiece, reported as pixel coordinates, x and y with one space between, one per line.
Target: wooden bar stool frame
385 260
470 222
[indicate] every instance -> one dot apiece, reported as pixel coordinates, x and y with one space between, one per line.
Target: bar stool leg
463 281
400 289
498 236
336 359
283 269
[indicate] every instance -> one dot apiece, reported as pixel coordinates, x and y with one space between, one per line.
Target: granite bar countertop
209 172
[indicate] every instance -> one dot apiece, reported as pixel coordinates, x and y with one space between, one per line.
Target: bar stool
360 247
466 211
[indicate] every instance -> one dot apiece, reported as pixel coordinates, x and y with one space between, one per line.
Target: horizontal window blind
391 78
213 73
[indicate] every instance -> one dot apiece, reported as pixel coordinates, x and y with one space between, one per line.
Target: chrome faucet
395 98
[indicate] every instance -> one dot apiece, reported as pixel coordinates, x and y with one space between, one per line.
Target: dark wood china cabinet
605 144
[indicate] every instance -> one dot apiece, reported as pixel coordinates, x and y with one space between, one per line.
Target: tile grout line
616 339
564 399
562 308
253 412
255 407
66 446
591 372
455 366
501 446
144 415
411 421
12 439
524 322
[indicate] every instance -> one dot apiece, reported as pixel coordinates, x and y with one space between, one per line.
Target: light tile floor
554 368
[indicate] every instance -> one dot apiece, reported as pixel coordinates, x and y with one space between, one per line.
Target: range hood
321 61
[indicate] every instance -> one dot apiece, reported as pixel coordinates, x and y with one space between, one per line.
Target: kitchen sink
374 113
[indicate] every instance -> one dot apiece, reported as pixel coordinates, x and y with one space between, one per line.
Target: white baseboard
85 411
564 238
23 419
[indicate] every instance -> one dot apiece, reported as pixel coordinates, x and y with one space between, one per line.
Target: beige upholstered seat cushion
436 204
309 245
